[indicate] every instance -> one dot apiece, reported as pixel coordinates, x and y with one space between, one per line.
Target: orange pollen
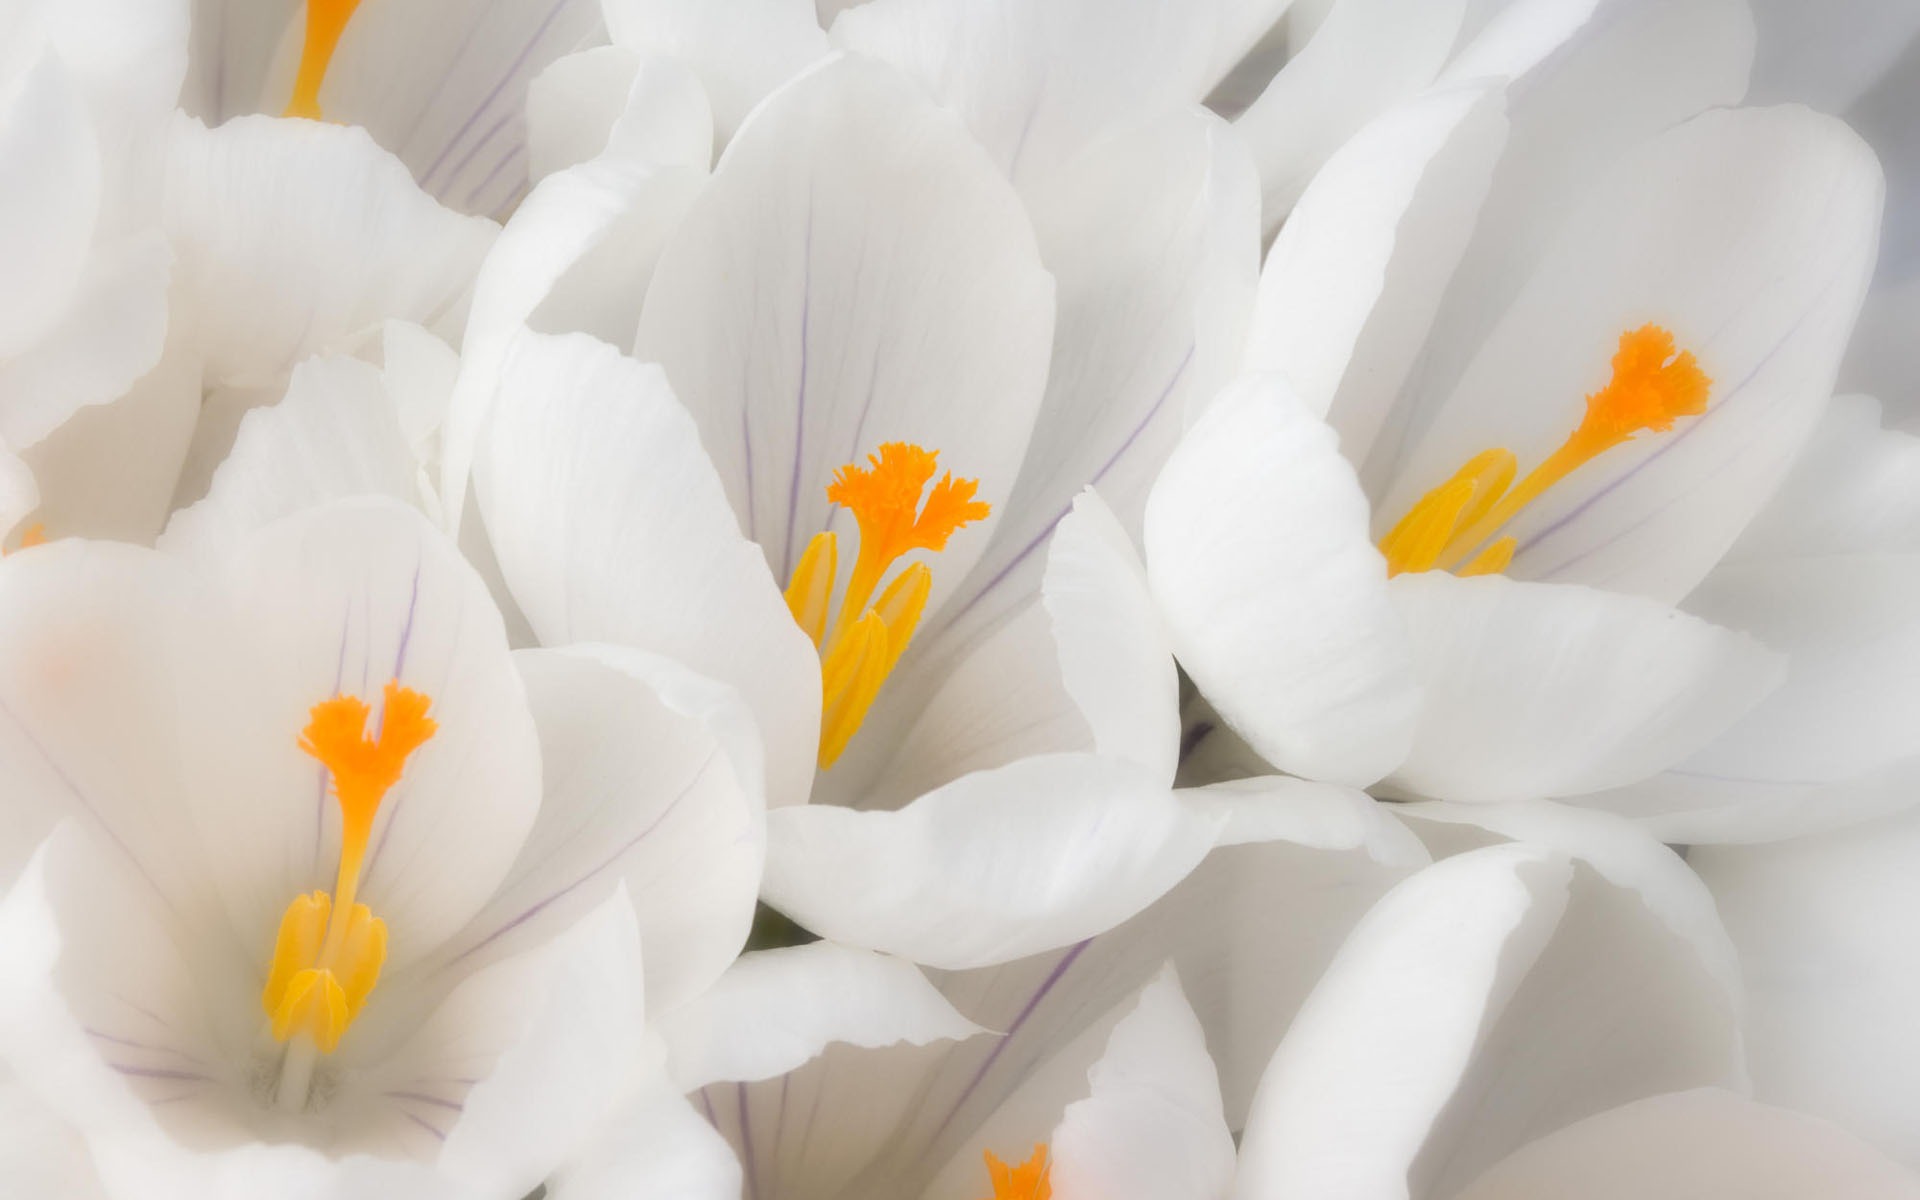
1454 527
1028 1181
861 641
329 949
33 535
326 21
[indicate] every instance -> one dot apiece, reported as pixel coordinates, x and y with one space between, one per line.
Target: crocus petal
1549 690
1115 659
611 526
443 85
344 598
110 336
335 435
1444 1035
994 866
1827 64
51 162
1035 86
660 1148
41 1154
273 264
1825 927
1765 306
774 1010
1152 238
1275 598
1366 55
642 786
18 492
611 98
1706 1142
741 51
855 273
1854 489
1352 282
1152 1129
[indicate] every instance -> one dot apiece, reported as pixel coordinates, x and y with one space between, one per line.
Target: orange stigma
329 950
326 21
1028 1181
1450 527
860 646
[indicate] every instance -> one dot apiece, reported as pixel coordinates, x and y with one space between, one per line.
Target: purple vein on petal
800 395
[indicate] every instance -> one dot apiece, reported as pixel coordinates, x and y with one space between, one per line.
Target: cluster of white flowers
969 599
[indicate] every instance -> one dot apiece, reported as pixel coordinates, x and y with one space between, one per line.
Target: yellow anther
1028 1181
326 21
330 948
1450 527
859 647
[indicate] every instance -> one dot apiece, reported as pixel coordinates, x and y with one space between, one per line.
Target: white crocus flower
440 83
1446 293
285 237
1454 1052
347 899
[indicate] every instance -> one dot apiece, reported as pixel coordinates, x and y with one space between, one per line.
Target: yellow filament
860 646
1449 528
327 956
1028 1181
326 21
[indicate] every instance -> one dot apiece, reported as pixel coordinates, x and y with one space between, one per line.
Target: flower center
1028 1181
861 643
328 954
326 21
1450 527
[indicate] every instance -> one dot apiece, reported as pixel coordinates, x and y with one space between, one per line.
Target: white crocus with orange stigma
342 896
225 256
1557 384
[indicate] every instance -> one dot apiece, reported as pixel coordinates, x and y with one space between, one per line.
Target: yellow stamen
326 21
328 954
1028 1181
1450 526
859 647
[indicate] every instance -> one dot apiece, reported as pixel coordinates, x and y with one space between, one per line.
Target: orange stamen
859 646
1450 527
329 949
326 21
1028 1181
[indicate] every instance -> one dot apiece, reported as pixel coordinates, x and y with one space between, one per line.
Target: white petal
645 788
1273 593
111 469
1827 63
1826 929
775 1010
344 598
1036 85
1350 287
41 1154
1699 1143
610 98
1115 660
443 85
659 1149
19 494
334 436
611 527
419 370
855 273
128 54
1547 690
1374 1055
51 164
994 866
1152 236
576 1012
741 51
1364 57
294 236
1856 487
111 335
1764 303
1152 1128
